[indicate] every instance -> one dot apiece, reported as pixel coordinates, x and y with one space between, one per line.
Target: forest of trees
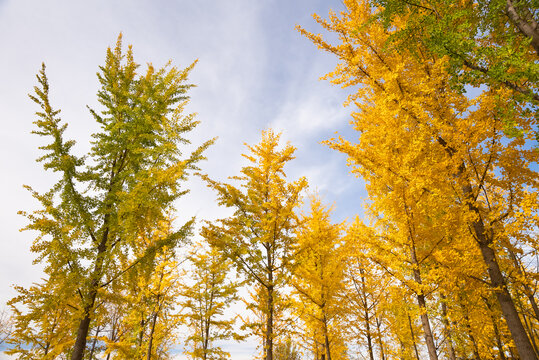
443 97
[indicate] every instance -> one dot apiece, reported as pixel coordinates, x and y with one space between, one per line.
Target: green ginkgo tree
123 187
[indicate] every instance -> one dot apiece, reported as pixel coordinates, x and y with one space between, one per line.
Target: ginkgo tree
438 166
259 236
125 185
318 273
205 299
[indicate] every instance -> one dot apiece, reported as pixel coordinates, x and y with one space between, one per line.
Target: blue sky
255 71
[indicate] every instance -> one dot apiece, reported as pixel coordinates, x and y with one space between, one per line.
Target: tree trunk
326 336
268 346
510 314
154 317
152 330
208 324
528 29
447 330
518 333
95 279
413 337
367 320
269 325
421 301
82 333
379 338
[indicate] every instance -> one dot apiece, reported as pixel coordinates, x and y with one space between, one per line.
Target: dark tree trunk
94 281
379 338
152 330
326 337
269 325
367 318
268 346
82 334
518 333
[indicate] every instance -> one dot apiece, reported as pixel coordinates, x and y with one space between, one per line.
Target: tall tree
258 238
318 272
205 300
125 185
444 152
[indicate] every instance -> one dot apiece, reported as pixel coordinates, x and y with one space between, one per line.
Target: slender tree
205 302
258 238
318 279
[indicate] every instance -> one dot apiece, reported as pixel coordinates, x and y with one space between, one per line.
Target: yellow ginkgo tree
318 271
206 297
438 166
259 236
147 300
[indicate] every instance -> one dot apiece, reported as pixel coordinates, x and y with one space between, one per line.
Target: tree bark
367 319
421 301
510 314
95 279
269 325
152 330
326 336
447 329
518 333
413 337
529 30
379 338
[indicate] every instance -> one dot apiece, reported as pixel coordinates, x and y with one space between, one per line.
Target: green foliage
493 43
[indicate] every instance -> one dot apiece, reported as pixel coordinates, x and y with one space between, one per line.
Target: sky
254 72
